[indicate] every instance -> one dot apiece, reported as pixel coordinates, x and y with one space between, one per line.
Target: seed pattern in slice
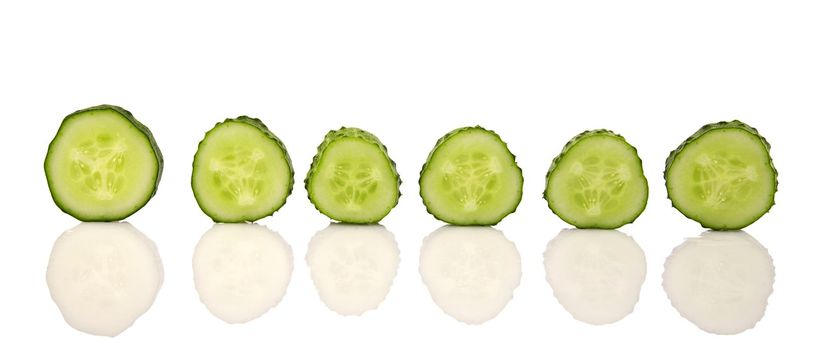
352 178
722 176
241 171
597 181
103 165
471 178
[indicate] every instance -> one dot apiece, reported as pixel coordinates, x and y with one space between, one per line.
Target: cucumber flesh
104 276
352 179
597 181
102 165
720 281
241 271
722 176
471 178
241 171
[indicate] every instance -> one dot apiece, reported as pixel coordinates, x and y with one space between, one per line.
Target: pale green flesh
101 167
723 179
355 182
599 183
239 173
472 179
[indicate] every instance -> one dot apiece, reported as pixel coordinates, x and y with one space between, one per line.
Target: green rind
350 132
735 124
579 137
135 123
439 143
258 124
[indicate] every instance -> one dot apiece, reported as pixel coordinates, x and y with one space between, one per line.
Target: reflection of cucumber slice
595 274
471 178
720 281
352 178
241 270
722 176
597 181
241 171
353 266
103 165
471 272
103 276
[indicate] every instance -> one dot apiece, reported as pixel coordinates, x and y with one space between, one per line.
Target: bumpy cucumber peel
258 124
350 132
135 123
583 135
445 138
735 124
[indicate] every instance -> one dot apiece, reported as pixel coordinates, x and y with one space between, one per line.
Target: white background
537 72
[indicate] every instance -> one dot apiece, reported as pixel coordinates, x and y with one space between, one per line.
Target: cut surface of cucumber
471 178
722 176
241 271
720 281
597 181
102 165
241 171
352 178
103 276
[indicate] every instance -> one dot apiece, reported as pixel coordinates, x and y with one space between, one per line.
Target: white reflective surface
720 281
103 276
353 266
595 274
241 270
471 272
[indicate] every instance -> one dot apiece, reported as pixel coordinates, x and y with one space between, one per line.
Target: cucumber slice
352 178
597 181
103 164
720 281
722 176
471 178
241 171
104 276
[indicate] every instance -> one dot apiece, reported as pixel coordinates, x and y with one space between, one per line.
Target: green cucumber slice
352 178
471 178
241 171
597 181
103 164
722 176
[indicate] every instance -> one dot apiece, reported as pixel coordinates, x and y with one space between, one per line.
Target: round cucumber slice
241 171
352 178
597 181
722 176
103 164
471 178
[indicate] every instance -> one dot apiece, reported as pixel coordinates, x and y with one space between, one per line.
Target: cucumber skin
348 132
735 124
141 127
574 140
258 124
439 143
